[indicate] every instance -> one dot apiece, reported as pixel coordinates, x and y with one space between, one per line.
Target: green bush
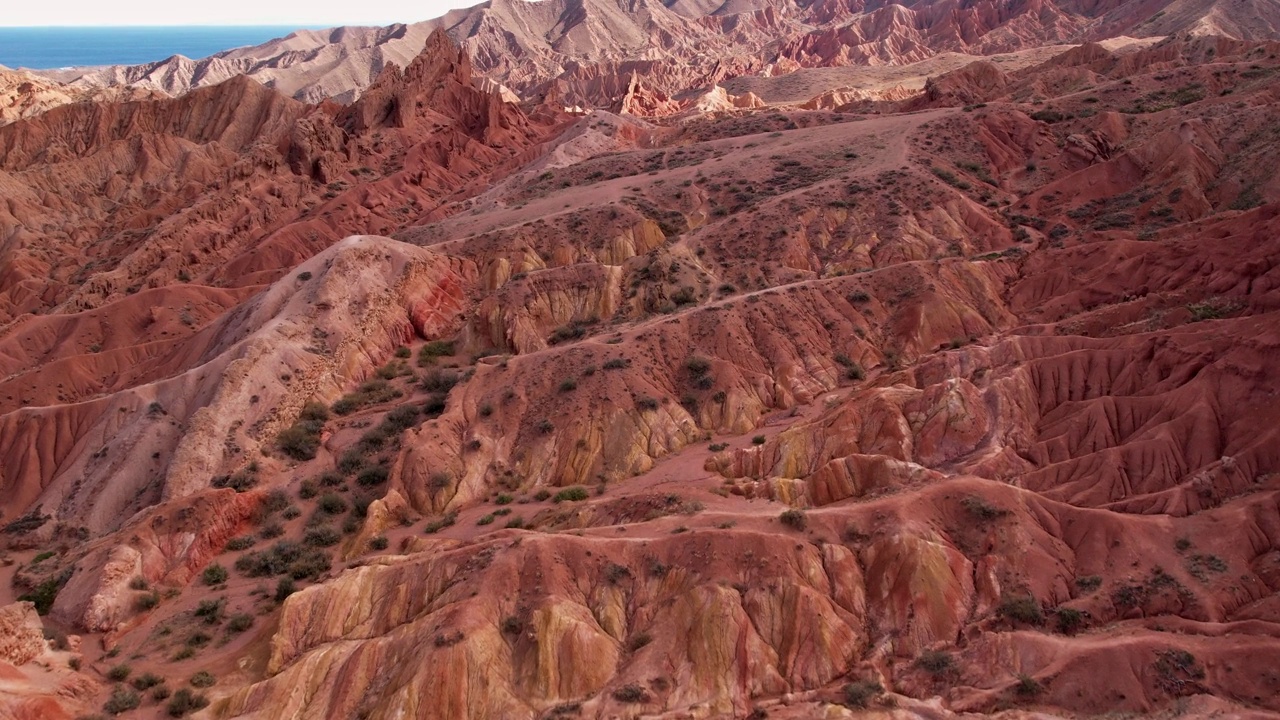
122 700
1022 608
576 493
203 679
284 588
239 622
284 558
331 504
697 366
794 519
214 574
936 662
211 610
859 694
119 673
323 536
1070 620
372 476
146 681
428 353
631 694
185 702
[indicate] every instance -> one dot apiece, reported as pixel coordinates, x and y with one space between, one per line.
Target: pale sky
300 13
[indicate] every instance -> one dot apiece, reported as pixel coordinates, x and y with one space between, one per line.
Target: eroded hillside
956 403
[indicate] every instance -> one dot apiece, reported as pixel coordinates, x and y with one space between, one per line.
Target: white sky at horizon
314 13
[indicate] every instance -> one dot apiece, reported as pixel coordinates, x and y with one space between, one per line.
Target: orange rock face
432 405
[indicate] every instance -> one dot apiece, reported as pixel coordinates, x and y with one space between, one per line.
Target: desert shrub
291 512
794 519
301 440
29 522
160 692
485 520
203 679
275 501
646 403
214 574
614 364
239 622
542 495
211 610
146 681
284 558
135 583
545 426
950 178
1070 620
119 673
122 700
372 476
435 526
402 418
1049 116
1089 582
331 504
185 702
697 366
242 481
936 662
981 509
284 588
568 385
1027 686
503 499
438 380
323 536
271 530
571 494
516 522
631 694
428 353
403 352
1021 608
371 392
758 440
148 601
244 542
858 694
379 543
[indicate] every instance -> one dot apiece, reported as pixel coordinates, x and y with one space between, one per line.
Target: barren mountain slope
591 48
960 403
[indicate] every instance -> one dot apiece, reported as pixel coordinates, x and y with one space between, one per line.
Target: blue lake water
44 48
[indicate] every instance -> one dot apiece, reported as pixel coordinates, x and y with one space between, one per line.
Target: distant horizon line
308 26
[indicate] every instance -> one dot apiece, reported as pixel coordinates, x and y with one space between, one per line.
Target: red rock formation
741 413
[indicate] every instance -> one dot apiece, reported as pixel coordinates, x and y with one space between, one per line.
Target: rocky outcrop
21 635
